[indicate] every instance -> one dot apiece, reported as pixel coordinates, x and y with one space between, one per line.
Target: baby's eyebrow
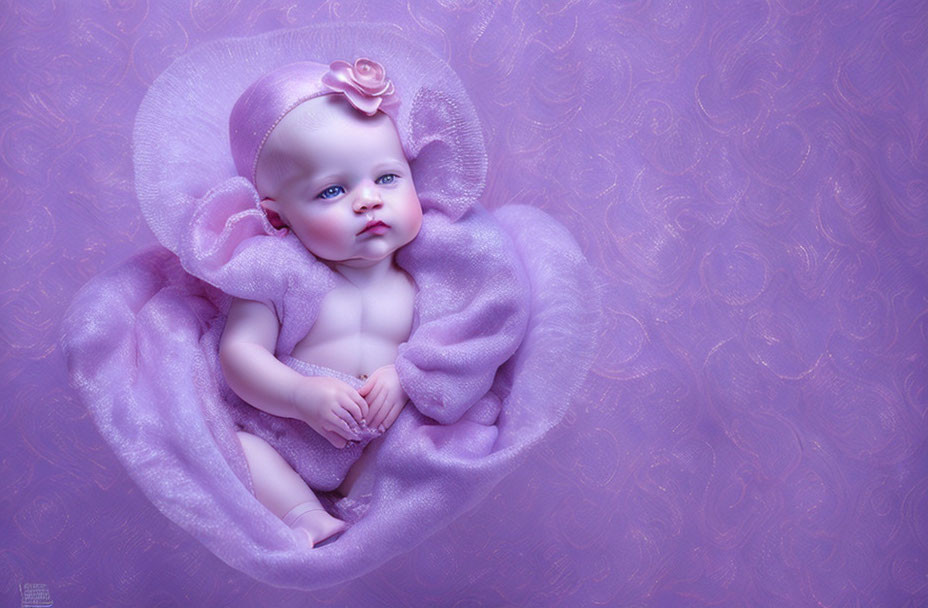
390 163
314 180
312 176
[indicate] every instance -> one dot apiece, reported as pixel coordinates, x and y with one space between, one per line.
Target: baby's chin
372 254
360 261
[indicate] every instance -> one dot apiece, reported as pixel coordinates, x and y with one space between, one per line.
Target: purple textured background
750 178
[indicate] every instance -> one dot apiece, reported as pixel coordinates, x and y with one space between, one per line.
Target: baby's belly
355 355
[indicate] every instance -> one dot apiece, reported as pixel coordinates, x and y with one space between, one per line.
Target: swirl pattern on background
749 180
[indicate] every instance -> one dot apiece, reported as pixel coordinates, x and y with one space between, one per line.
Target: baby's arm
329 406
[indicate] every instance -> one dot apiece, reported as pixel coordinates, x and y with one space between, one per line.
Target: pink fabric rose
364 84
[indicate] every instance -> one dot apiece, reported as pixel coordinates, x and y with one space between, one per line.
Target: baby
332 172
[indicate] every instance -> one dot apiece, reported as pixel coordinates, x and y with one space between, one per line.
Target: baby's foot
317 525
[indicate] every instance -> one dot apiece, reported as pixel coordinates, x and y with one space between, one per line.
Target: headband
265 103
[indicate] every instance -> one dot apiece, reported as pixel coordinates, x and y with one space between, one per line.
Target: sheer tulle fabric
506 312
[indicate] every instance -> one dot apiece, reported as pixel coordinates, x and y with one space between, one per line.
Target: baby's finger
344 414
374 403
339 426
369 414
394 413
372 396
381 406
366 387
362 405
351 408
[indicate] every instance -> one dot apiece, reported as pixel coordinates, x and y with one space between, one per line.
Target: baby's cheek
411 213
327 229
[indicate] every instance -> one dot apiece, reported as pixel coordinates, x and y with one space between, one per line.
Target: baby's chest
383 311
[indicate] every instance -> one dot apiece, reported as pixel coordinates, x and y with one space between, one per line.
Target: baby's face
329 172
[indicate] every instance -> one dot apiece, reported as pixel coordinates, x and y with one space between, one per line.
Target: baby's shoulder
252 322
243 311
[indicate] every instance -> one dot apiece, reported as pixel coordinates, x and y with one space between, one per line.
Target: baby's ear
269 206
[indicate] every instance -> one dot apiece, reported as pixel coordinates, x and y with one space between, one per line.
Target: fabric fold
471 319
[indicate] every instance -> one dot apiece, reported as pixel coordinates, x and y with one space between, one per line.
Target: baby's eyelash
334 191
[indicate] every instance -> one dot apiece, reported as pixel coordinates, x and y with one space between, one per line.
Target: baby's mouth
374 225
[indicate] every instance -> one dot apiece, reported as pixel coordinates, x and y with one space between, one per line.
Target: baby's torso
359 329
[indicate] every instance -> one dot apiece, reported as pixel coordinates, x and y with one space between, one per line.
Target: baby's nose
363 204
366 200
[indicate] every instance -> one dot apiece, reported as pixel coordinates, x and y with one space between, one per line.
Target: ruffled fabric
505 315
472 310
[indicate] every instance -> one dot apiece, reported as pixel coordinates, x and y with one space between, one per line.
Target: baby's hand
332 408
385 397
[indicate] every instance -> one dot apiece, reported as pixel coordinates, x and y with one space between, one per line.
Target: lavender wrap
471 311
502 338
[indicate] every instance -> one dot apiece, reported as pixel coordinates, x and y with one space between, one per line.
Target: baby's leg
279 488
358 482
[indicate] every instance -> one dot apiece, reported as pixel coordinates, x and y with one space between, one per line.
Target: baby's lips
372 224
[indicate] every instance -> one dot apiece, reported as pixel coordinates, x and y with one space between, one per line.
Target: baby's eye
389 178
331 192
